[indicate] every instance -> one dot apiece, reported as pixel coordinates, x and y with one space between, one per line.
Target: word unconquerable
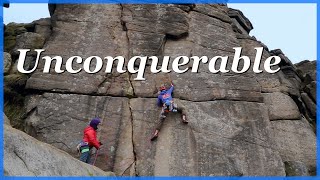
137 64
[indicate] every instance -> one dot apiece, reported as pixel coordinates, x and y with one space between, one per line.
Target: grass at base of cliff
15 114
14 107
14 97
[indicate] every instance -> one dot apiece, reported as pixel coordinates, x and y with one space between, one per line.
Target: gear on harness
82 146
168 106
84 151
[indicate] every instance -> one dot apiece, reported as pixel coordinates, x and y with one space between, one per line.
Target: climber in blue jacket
165 101
165 96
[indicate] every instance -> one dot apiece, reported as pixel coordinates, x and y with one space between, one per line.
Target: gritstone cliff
239 124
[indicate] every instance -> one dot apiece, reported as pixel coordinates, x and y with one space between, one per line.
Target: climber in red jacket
89 140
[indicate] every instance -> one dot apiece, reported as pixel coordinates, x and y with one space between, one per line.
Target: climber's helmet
94 123
162 88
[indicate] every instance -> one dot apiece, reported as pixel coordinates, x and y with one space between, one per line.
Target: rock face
28 40
68 119
20 36
26 156
6 120
7 62
307 72
239 124
295 139
296 168
240 23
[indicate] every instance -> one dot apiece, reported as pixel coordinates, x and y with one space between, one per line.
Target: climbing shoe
155 135
184 119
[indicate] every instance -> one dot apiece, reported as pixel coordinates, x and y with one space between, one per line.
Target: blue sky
290 27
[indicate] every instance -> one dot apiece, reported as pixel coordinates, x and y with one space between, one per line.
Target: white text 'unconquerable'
138 64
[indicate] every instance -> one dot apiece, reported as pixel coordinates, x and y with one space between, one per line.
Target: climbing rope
95 158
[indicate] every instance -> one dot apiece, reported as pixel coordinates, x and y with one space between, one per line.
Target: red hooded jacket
90 136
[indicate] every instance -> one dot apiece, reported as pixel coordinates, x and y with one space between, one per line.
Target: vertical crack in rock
130 82
123 23
102 83
124 28
125 159
133 144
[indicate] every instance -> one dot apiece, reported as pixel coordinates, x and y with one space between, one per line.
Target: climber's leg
155 135
181 109
162 117
85 154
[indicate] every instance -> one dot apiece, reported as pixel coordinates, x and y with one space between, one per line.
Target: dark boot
155 135
184 119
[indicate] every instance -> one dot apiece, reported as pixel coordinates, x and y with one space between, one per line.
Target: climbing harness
83 147
169 106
